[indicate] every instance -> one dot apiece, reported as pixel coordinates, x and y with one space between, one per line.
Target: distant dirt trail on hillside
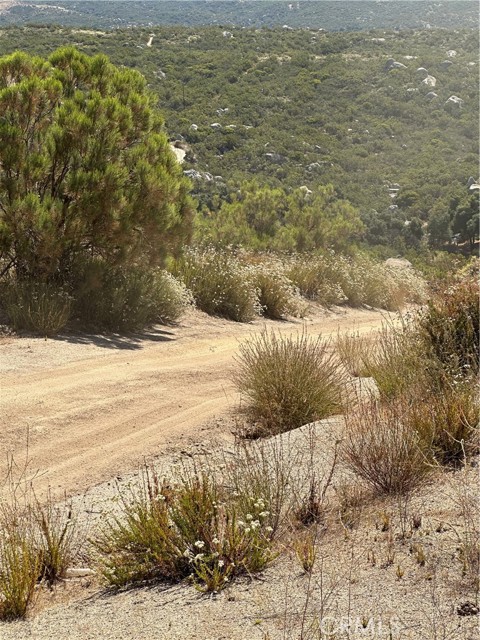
92 406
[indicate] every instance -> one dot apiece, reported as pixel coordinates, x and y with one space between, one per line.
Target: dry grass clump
353 349
20 565
446 422
428 414
394 356
219 284
287 381
194 528
468 501
39 542
381 448
36 306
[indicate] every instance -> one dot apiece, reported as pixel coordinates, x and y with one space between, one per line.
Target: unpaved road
83 409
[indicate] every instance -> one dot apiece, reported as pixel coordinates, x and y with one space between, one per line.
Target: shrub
364 281
195 528
381 447
446 421
219 284
127 298
313 276
276 294
287 381
337 279
36 306
450 327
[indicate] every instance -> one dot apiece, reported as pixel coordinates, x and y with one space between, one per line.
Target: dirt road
83 409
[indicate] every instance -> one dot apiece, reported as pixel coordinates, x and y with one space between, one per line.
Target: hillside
330 15
296 107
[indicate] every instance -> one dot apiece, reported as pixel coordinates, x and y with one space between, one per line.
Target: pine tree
85 168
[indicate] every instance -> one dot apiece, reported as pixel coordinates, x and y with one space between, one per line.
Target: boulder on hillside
446 64
431 95
398 263
422 71
454 102
429 81
393 64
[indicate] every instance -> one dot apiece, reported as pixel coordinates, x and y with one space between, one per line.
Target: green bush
219 284
127 298
36 306
287 381
194 528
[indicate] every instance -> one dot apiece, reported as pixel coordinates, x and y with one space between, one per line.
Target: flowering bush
276 294
196 528
219 284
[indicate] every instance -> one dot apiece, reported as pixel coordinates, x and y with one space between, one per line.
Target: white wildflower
199 544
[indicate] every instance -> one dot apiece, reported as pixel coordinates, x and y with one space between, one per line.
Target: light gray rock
429 81
446 64
393 64
79 572
216 125
454 102
431 95
422 71
193 174
194 127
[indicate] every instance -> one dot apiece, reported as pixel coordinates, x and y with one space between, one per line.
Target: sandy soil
365 575
84 408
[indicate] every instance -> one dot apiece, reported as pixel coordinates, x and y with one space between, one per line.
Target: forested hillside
371 113
331 15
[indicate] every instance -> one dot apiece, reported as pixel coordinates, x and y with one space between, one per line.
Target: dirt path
90 407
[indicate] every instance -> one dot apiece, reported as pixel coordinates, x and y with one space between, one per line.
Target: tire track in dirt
93 418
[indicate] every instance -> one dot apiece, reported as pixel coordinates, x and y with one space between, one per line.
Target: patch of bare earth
84 408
